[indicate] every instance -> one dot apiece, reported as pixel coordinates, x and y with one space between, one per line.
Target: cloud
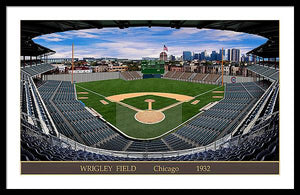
211 35
54 37
80 34
136 50
138 42
187 31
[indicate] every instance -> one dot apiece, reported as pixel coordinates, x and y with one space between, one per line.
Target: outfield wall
238 79
87 77
83 77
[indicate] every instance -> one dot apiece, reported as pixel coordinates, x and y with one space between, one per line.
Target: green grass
119 86
126 122
139 102
129 125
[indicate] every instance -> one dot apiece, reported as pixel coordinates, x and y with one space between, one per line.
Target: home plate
195 102
103 102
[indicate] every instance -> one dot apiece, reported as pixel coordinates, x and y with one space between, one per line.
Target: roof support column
23 61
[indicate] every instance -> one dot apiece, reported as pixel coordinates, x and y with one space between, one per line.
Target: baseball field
147 108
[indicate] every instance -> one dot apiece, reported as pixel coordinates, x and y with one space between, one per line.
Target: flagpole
222 67
72 60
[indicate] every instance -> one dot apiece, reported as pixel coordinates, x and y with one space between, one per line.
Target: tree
94 63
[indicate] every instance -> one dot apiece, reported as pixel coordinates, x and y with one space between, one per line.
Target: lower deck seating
72 119
264 147
147 146
37 69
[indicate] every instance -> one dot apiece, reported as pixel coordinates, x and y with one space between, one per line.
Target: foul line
170 106
207 92
91 91
129 106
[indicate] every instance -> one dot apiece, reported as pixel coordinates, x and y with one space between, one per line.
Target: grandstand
242 126
265 71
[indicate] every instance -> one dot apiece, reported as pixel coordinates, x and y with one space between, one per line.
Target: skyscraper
220 55
204 55
229 54
197 56
214 55
187 55
235 55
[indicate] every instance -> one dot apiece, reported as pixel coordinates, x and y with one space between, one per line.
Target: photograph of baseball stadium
145 91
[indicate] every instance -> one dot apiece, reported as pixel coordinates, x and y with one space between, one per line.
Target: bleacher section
193 77
135 75
176 75
199 77
185 76
212 78
130 75
169 74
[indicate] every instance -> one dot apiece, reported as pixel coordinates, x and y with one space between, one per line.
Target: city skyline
138 42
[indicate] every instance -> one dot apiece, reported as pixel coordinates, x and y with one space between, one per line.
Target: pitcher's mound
149 116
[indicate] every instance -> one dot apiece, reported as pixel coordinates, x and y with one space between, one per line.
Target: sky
138 42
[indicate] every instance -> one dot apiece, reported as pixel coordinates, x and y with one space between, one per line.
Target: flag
165 48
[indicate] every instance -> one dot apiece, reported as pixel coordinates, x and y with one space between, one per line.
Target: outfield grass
119 86
129 125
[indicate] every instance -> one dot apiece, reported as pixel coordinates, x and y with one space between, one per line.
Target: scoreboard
153 67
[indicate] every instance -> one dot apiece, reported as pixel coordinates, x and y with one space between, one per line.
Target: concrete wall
87 77
239 79
84 77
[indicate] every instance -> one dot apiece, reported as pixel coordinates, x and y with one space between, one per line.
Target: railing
224 142
266 93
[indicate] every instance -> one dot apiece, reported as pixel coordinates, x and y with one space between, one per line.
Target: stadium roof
266 28
30 48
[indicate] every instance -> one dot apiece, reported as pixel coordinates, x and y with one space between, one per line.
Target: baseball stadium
153 114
